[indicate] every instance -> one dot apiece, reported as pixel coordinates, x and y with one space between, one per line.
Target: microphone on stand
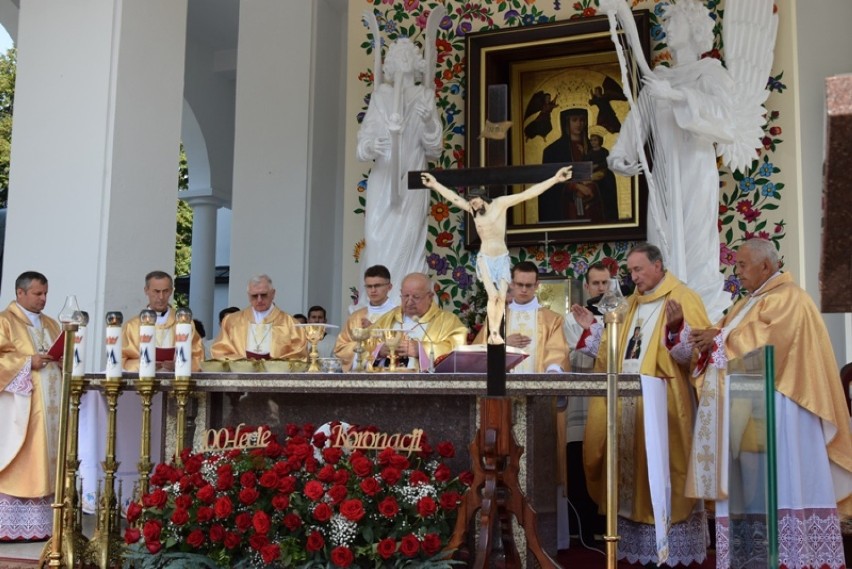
420 325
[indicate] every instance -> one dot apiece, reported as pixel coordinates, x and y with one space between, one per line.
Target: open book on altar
474 359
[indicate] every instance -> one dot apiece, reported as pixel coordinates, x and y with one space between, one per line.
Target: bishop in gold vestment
30 391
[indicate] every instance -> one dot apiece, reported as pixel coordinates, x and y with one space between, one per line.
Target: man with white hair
812 433
261 331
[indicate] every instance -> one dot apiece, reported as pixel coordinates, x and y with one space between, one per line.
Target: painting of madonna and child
572 110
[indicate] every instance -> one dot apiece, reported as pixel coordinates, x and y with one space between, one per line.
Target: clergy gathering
479 284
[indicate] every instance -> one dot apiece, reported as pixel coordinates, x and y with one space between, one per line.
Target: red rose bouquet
298 504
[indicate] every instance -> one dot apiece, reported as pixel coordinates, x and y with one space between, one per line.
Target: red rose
352 510
248 479
156 499
249 496
260 522
326 473
322 513
280 502
399 461
775 130
315 541
270 553
232 540
151 530
206 494
450 500
287 484
292 522
361 466
466 477
370 486
291 429
426 507
217 533
273 450
258 542
269 479
446 449
225 482
337 493
243 521
183 502
341 477
386 548
418 477
342 556
223 507
319 439
409 546
390 475
132 535
431 544
388 507
153 547
134 510
314 490
442 473
332 455
204 514
195 538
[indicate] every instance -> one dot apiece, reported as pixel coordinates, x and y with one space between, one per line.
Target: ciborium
360 335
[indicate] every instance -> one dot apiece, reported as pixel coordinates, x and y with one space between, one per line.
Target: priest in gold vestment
159 287
30 391
430 331
655 525
260 331
377 283
812 432
531 327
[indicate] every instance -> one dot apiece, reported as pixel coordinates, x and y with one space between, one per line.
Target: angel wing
748 32
430 50
369 19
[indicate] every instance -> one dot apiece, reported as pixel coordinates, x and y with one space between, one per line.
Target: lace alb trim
25 518
688 541
23 382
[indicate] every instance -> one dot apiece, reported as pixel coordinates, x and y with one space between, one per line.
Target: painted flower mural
749 200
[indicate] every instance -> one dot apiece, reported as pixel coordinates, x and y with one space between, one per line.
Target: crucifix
495 491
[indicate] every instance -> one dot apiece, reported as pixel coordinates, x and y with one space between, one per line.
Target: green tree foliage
8 68
183 241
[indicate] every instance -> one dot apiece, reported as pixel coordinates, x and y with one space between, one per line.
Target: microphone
420 325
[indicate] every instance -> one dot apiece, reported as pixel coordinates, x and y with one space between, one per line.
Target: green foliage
183 238
8 72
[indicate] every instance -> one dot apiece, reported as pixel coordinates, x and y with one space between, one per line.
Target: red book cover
165 354
256 356
57 350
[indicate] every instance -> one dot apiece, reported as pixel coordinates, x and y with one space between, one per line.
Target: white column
271 141
203 267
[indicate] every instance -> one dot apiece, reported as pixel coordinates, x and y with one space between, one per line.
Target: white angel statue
400 131
688 114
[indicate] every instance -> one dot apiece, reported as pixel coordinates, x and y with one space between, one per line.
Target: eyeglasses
413 297
523 285
376 286
259 296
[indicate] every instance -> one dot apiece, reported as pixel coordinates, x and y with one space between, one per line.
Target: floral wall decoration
748 200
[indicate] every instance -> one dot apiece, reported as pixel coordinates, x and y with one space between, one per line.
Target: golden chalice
315 333
392 340
360 335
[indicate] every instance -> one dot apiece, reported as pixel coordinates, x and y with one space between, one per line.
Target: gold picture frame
557 75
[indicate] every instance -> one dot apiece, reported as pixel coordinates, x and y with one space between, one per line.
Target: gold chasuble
444 331
29 405
165 338
634 490
278 330
783 315
550 345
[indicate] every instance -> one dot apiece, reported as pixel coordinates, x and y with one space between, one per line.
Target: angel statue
688 114
400 130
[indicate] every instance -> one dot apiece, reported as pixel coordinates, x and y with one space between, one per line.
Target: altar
445 406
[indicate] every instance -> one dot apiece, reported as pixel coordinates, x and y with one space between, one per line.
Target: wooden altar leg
496 492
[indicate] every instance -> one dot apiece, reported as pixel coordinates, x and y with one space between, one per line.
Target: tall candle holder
145 388
183 383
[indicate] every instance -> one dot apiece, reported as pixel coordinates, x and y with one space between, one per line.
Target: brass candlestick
145 387
183 387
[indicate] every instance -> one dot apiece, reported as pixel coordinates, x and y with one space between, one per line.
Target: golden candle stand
146 387
612 320
104 549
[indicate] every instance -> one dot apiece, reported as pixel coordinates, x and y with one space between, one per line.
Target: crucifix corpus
493 267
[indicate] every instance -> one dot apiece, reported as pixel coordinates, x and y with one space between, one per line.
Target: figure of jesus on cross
489 216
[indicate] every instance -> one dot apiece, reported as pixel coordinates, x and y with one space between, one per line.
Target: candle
113 344
79 368
147 343
183 342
